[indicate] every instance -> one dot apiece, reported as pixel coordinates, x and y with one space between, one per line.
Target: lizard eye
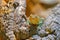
16 4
